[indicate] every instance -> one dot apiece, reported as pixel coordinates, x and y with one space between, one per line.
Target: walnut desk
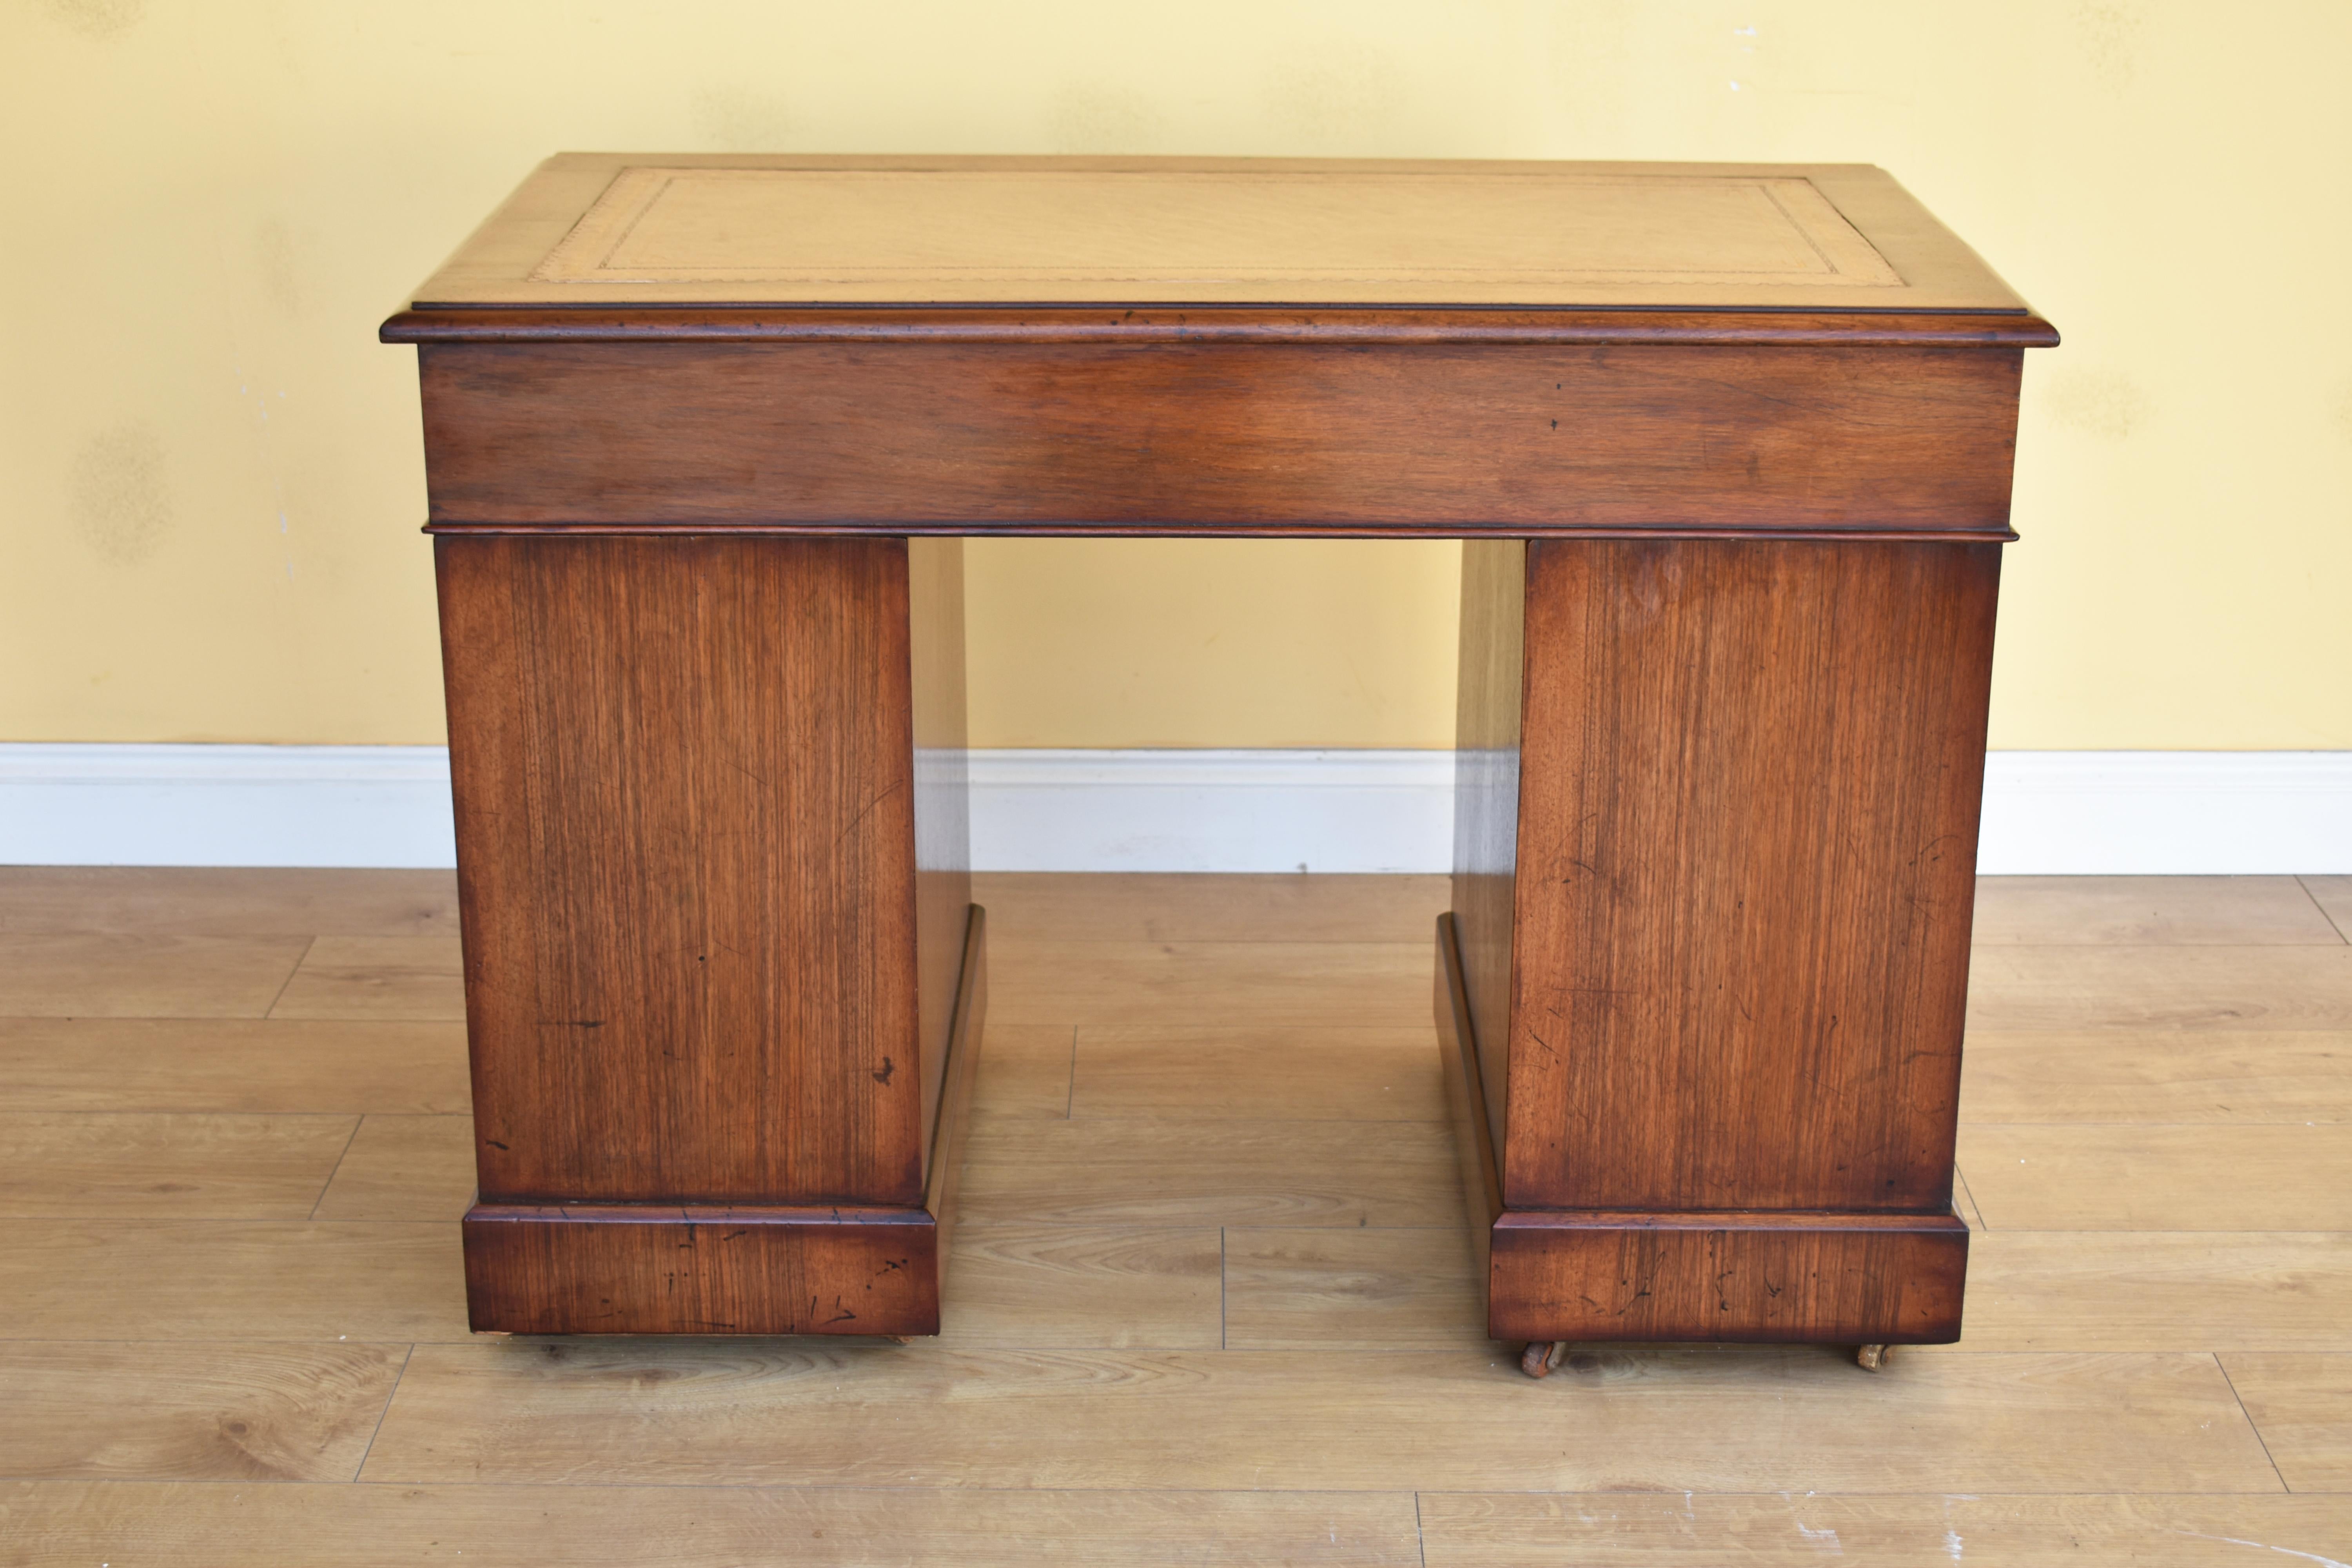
1730 448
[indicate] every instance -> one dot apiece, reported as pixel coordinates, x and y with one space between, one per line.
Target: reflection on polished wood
151 1355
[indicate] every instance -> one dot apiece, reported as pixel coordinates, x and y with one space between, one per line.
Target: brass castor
1541 1356
1872 1358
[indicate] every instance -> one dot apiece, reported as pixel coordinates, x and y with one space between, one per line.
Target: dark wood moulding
1205 324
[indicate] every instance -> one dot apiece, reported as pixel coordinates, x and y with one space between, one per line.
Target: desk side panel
1749 785
1220 437
685 843
943 799
1486 797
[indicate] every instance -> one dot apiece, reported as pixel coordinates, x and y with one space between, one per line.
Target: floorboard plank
2141 988
232 901
135 1165
255 1065
405 1168
410 977
1209 907
1299 1289
163 1525
2197 1177
2334 896
745 1412
1625 1531
1241 1074
158 1411
230 1279
1212 1173
2072 1290
2043 911
1210 984
2156 1076
1083 1286
1024 1071
83 974
2302 1404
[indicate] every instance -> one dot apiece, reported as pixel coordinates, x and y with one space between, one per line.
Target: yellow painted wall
209 479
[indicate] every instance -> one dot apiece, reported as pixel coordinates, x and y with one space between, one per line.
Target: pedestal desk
1730 451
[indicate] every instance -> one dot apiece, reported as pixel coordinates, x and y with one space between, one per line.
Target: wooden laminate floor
1211 1300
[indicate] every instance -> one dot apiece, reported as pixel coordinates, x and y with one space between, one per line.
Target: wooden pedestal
1702 992
724 979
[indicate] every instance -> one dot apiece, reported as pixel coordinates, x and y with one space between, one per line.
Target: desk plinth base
1627 1276
721 1268
649 1268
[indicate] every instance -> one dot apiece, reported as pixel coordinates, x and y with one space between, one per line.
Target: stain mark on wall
1341 96
2097 402
100 18
274 263
742 118
117 495
1083 119
2110 39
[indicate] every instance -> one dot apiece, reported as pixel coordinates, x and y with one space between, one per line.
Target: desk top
672 230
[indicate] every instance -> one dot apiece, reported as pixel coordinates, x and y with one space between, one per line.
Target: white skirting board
2114 813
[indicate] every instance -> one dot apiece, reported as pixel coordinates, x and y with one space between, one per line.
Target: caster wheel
1873 1358
1541 1356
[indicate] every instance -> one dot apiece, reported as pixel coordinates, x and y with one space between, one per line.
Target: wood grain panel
1299 1287
1794 1419
2148 911
1799 1529
126 1164
1208 906
1212 984
653 1270
2159 1291
230 1279
291 1526
2230 989
1103 1286
2302 1404
404 1168
1243 1074
2157 1075
1024 1072
411 977
686 844
228 901
942 800
231 1065
1487 709
93 975
192 1412
1745 1278
2202 1177
1748 788
2334 896
1212 1173
915 437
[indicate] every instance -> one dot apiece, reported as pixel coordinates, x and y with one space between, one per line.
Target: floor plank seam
357 1122
300 959
2252 1425
2341 934
382 1415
